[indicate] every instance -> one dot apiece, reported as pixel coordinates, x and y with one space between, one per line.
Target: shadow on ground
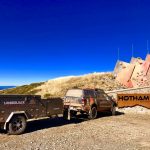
48 123
56 122
36 125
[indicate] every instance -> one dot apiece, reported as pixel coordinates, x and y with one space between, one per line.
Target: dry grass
59 86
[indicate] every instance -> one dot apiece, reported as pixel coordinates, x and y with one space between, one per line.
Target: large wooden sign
131 100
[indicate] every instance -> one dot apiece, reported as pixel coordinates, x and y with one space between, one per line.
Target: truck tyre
17 125
93 113
82 112
113 111
73 113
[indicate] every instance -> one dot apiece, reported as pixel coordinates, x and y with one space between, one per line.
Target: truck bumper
77 108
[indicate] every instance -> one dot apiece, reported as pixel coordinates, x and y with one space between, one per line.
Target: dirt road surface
121 132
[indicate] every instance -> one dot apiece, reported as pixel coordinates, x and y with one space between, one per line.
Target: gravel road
121 132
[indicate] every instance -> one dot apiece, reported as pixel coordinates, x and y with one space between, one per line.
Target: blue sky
40 40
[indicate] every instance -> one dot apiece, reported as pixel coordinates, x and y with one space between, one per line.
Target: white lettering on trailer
14 102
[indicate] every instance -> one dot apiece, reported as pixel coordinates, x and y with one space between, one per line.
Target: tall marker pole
132 50
118 54
147 47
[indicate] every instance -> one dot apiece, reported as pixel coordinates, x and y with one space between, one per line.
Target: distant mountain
6 87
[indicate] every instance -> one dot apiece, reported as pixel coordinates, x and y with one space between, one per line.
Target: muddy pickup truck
16 110
89 101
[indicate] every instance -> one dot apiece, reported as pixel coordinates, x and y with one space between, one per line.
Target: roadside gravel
121 132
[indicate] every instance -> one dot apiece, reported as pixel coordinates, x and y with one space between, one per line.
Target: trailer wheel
17 125
93 113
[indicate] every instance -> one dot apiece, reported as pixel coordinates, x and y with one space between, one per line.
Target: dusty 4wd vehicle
87 101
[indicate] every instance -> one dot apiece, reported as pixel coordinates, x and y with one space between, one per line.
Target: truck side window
86 93
92 94
101 96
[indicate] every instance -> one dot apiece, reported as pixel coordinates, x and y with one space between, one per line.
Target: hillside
59 86
25 89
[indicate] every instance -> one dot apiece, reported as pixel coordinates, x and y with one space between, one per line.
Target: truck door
89 95
107 102
102 101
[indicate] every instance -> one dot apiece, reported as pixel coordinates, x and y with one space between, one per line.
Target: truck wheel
113 111
93 113
82 112
73 113
17 125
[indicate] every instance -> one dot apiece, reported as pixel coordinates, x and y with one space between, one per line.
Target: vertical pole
132 50
118 54
147 47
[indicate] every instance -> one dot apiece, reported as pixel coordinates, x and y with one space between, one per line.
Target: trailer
16 110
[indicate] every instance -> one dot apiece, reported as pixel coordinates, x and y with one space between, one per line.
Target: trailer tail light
84 101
